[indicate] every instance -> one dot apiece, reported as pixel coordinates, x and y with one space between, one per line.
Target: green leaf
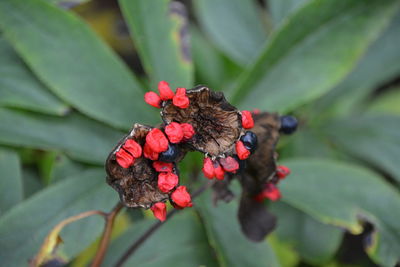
281 9
234 25
311 53
160 32
24 228
11 189
374 139
19 87
387 103
367 75
81 138
181 241
73 62
316 242
224 234
31 182
344 195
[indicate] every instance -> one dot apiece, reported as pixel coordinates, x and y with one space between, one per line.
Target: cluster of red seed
270 190
178 98
217 168
158 141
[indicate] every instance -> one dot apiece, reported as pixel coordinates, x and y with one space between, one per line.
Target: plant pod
137 185
216 123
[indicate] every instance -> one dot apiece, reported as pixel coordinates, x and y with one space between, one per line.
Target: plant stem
105 238
131 250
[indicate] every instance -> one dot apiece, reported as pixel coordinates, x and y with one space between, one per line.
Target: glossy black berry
249 140
288 124
170 155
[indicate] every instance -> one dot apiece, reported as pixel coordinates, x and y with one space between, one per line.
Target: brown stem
131 250
105 238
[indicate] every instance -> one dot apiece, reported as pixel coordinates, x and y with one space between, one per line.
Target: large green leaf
386 103
343 195
78 136
160 32
73 62
11 189
232 247
375 139
180 242
316 242
20 88
280 9
368 74
312 52
234 26
24 228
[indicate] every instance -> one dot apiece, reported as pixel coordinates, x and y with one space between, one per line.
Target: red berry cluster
142 168
270 190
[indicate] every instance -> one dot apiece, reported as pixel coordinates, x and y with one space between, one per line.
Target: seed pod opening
137 184
216 123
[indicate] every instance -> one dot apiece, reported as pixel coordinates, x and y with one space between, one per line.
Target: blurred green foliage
70 84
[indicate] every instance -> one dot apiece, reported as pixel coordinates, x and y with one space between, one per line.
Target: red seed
247 119
149 153
174 132
208 168
180 99
133 147
165 91
188 131
219 171
160 166
181 197
157 140
229 164
242 151
160 211
152 99
282 171
167 181
124 159
271 192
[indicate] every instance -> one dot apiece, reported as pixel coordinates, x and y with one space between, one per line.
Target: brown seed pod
217 123
136 185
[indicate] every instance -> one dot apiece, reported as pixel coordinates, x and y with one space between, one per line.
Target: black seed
170 155
249 140
288 124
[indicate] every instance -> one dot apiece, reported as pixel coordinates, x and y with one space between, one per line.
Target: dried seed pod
136 185
217 124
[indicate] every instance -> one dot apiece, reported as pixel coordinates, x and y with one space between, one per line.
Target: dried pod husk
136 185
217 123
261 165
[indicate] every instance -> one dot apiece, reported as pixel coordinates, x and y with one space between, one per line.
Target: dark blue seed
170 155
249 140
288 124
